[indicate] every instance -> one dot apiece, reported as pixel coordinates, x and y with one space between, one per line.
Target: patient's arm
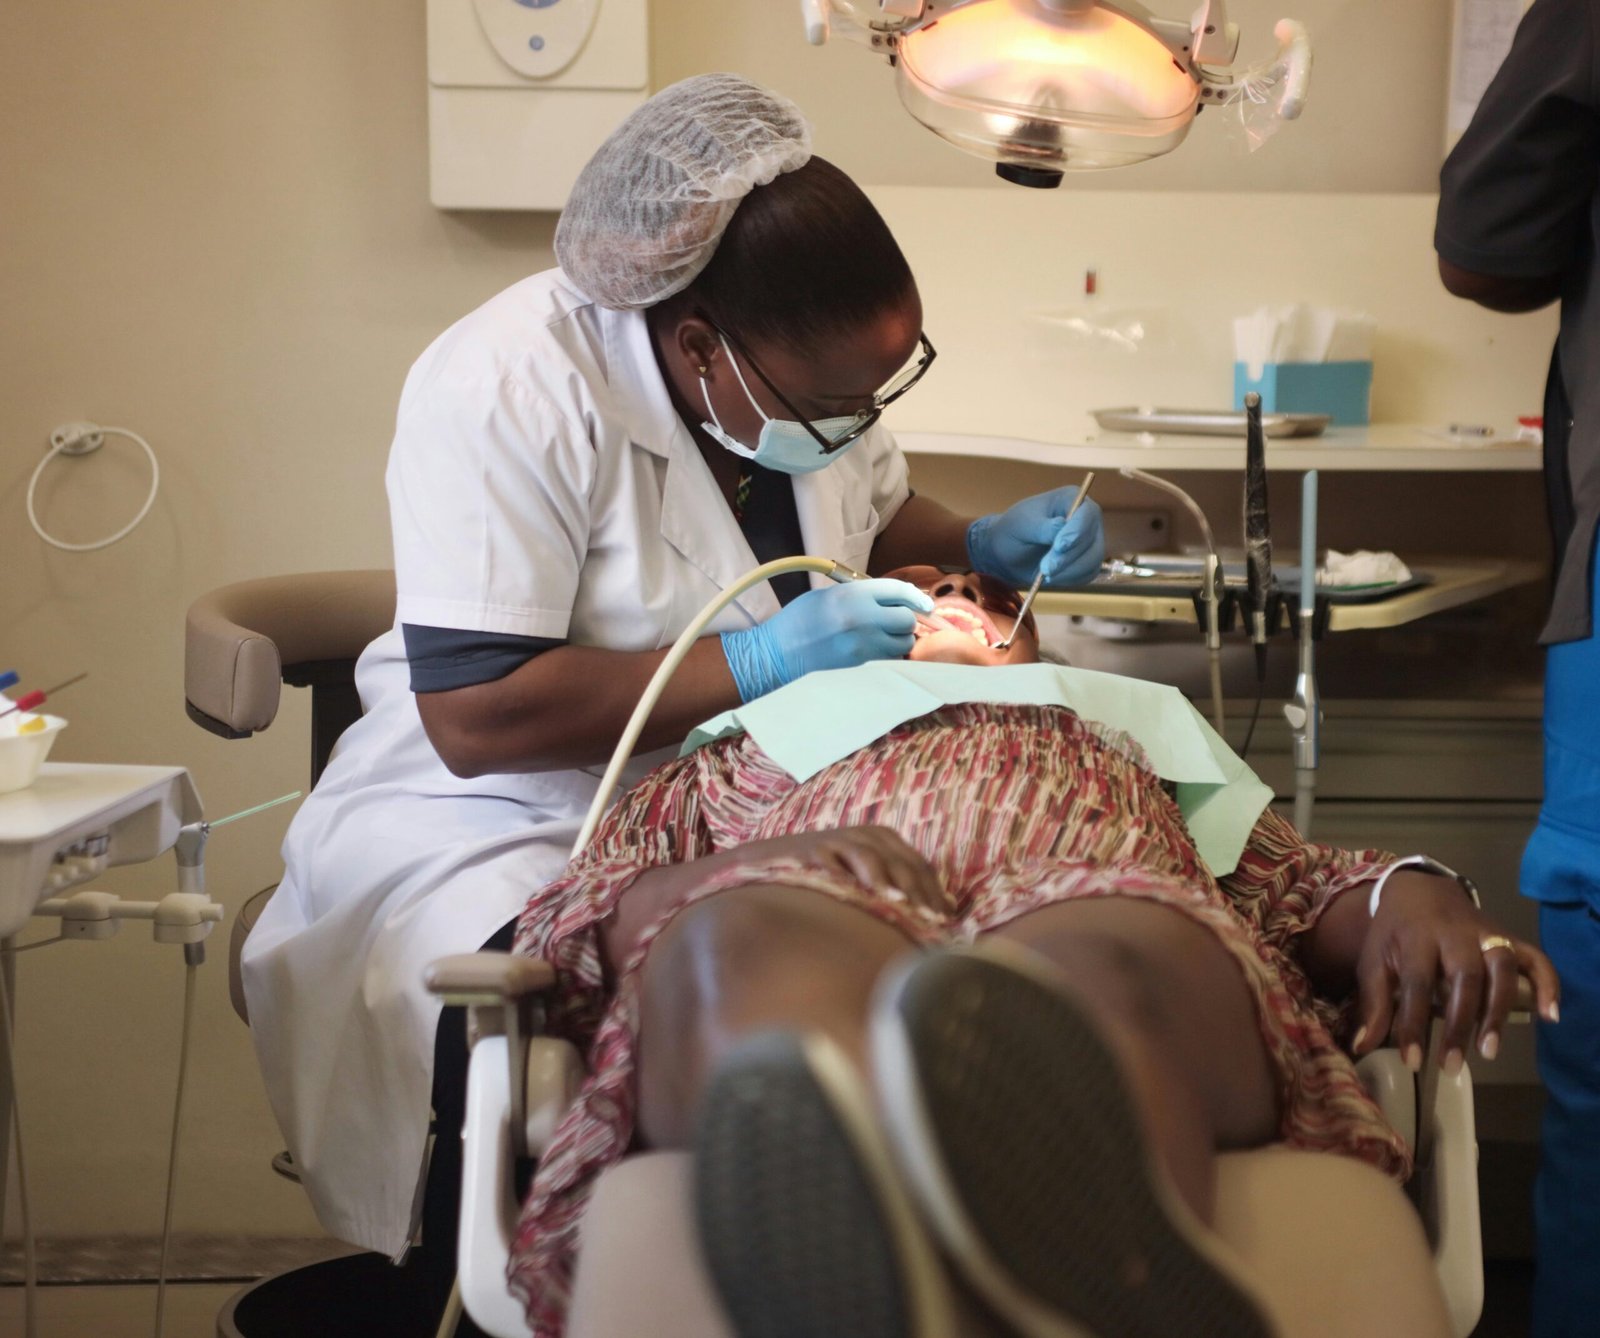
1424 944
1283 883
1311 901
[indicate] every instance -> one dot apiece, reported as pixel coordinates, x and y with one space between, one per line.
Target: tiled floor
118 1312
128 1312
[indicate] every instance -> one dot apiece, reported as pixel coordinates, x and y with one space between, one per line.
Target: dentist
578 467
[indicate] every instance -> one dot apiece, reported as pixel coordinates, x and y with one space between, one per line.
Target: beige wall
214 228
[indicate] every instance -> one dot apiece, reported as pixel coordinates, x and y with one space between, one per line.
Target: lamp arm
876 22
1216 41
1281 81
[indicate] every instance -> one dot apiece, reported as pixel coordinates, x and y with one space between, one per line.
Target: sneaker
1021 1143
806 1227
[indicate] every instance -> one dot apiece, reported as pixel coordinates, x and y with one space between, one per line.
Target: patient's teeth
964 620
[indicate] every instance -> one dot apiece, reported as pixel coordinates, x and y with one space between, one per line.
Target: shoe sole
807 1229
1021 1143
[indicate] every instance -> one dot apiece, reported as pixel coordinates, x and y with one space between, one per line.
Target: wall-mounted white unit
522 92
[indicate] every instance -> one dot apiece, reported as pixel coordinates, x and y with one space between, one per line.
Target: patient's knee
742 961
760 943
766 953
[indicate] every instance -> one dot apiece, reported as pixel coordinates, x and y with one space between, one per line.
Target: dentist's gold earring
702 369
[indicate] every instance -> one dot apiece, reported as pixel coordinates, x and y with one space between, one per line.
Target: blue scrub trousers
1561 870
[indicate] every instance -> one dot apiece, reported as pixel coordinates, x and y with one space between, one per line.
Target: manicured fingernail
1412 1055
1453 1059
1355 1041
1489 1044
1553 1012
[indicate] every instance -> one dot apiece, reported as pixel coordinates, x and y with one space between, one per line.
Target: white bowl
21 755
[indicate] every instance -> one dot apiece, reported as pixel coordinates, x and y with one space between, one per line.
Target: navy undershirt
443 658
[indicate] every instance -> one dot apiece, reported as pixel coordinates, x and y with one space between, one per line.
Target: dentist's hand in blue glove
1013 544
832 628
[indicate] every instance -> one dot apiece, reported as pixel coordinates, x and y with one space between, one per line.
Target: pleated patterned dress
1016 808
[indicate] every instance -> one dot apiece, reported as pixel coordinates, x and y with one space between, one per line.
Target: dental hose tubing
668 666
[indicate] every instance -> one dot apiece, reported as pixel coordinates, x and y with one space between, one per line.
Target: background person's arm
1515 192
1500 292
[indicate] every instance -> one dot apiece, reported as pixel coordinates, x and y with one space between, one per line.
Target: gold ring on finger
1489 942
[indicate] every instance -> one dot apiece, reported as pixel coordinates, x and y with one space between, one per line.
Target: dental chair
1333 1245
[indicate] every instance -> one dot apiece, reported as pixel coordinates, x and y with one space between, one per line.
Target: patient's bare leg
1179 1015
741 961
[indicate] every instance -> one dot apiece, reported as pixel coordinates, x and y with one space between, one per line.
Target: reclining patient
742 955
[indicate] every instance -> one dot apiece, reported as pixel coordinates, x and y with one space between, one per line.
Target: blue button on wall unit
537 43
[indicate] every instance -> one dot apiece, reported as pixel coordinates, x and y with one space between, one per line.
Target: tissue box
1341 389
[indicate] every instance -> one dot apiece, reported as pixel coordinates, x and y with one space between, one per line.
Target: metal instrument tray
1209 422
1179 575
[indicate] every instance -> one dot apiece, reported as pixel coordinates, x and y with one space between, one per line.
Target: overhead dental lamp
1044 87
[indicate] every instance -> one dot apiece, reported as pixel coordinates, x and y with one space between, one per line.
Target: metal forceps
1027 600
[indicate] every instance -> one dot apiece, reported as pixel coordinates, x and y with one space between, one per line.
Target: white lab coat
541 484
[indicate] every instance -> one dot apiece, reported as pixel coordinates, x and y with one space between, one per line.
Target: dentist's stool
242 643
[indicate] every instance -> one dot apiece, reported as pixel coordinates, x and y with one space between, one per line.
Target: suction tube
658 683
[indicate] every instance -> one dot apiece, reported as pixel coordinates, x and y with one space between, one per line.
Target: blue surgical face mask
784 445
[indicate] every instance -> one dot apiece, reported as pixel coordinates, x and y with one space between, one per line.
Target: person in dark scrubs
1518 228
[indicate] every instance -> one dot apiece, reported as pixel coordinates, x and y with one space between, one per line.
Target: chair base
334 1298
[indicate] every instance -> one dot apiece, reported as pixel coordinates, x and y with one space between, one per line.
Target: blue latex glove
1014 544
831 628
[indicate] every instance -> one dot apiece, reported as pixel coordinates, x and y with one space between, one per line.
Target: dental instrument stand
75 821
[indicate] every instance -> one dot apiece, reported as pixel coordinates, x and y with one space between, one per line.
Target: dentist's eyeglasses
897 386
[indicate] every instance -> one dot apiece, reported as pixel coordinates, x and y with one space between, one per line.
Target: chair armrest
488 1199
1442 1136
500 993
1393 1087
476 979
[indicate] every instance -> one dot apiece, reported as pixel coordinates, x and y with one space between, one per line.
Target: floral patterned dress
1015 807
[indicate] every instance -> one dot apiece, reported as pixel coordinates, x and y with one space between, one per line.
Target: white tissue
1300 333
1362 567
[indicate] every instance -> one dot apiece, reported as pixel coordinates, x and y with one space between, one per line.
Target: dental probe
1027 600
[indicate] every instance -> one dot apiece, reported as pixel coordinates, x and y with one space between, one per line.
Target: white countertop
1381 447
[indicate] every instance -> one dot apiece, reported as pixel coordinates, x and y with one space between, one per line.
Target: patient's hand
876 856
1426 942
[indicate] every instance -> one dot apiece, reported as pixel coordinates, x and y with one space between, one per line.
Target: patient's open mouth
964 619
